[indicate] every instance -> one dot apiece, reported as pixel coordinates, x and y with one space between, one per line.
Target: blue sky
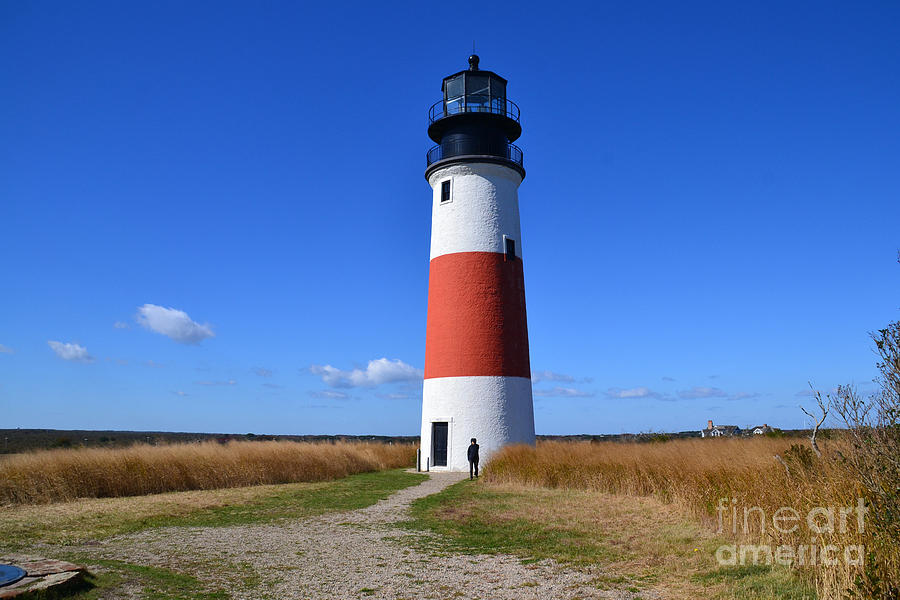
213 215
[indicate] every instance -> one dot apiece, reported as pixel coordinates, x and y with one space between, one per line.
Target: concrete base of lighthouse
496 410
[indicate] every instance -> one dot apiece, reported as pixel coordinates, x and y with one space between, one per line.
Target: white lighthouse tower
477 369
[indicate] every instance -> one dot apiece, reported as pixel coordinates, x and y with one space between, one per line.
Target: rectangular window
445 191
510 248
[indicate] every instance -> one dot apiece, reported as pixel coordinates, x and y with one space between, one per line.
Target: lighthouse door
439 443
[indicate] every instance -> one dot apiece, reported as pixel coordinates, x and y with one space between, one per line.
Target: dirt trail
356 554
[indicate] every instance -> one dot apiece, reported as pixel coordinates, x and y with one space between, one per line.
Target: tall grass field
67 474
735 486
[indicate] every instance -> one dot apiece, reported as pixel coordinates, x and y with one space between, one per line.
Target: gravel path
356 554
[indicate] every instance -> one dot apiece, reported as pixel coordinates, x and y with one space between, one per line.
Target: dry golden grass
60 475
24 527
696 474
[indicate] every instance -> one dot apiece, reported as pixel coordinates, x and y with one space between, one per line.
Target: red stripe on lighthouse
476 317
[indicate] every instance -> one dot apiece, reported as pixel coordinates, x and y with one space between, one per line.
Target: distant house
762 429
719 430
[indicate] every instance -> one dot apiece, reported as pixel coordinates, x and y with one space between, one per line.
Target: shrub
874 457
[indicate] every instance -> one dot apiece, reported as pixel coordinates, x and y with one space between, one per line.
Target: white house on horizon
719 430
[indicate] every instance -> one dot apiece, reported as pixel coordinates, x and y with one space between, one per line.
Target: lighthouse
477 369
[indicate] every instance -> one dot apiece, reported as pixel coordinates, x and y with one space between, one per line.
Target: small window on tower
510 248
445 191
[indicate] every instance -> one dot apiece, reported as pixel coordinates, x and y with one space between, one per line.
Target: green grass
640 543
350 493
93 519
155 583
472 519
117 577
758 582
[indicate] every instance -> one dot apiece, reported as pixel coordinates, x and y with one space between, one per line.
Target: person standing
473 459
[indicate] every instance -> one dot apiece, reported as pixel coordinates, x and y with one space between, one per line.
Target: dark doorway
439 443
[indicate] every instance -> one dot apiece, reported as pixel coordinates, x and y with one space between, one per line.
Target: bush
874 456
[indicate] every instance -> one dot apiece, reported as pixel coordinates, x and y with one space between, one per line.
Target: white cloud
262 372
121 325
378 371
702 392
173 323
745 395
6 349
562 392
667 378
180 393
538 376
400 396
638 392
329 394
229 382
73 352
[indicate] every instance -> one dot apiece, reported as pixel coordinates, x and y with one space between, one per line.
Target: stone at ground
42 575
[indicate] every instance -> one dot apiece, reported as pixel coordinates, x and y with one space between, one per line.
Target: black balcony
473 104
509 152
472 110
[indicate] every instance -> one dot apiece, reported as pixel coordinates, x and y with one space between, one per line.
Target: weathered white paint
495 410
484 207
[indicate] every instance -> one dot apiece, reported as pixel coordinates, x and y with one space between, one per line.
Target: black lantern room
474 121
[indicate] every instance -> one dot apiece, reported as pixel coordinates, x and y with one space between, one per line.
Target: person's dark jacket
473 452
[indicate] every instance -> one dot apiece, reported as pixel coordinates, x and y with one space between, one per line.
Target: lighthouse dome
474 117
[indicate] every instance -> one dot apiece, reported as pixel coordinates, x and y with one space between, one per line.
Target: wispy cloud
637 392
377 372
261 371
538 376
542 376
666 378
173 323
6 350
811 393
272 386
562 392
702 392
229 382
399 396
153 364
71 352
180 393
744 396
329 394
121 325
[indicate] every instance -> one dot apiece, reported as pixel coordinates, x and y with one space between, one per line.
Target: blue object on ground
10 574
